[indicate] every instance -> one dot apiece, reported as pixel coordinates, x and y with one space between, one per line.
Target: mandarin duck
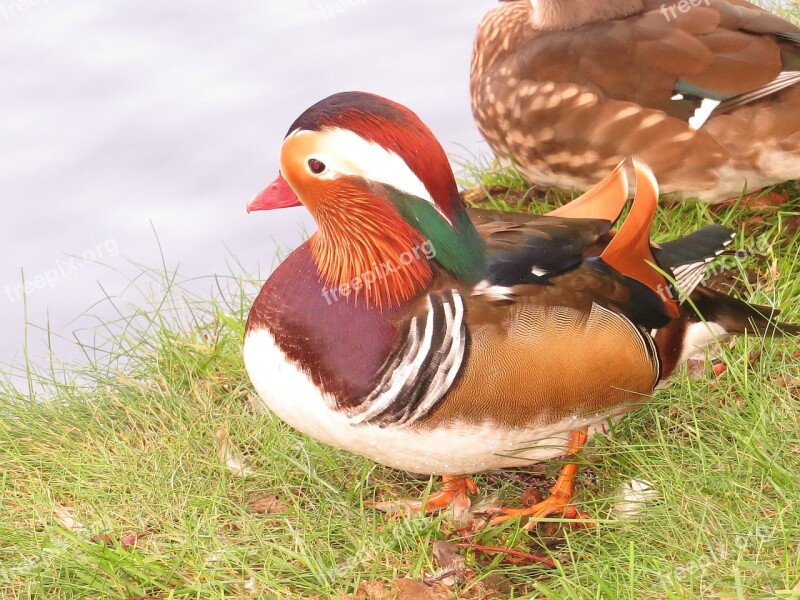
403 332
704 91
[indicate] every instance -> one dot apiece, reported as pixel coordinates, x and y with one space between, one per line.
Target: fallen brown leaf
496 583
266 505
255 403
102 538
517 556
371 590
772 276
129 541
760 201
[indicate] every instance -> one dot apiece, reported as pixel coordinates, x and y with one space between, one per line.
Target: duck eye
316 166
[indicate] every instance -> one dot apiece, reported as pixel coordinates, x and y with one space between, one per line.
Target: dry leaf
129 541
371 590
497 583
531 496
230 456
266 505
65 517
768 200
102 538
256 404
446 554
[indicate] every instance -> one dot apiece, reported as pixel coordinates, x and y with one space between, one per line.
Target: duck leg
560 494
454 491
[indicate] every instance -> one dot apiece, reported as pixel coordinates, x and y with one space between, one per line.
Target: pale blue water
121 118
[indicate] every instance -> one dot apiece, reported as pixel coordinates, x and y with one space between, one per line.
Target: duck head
380 189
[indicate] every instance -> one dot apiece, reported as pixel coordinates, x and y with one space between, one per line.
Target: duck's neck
455 243
384 250
563 15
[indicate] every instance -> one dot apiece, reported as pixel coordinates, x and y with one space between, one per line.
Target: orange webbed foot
558 503
553 505
454 492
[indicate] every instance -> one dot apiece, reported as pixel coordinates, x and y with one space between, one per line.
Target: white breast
461 448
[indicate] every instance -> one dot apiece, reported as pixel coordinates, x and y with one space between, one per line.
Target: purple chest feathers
340 341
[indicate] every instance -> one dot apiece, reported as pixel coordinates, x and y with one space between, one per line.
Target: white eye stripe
346 153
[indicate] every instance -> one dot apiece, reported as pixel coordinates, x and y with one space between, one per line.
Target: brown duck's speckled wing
575 102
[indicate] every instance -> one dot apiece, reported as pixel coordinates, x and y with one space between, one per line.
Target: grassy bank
157 477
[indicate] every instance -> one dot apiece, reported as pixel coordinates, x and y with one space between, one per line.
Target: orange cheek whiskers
365 249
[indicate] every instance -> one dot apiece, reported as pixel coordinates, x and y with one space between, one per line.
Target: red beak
277 194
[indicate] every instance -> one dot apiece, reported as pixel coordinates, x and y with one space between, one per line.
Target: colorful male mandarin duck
706 92
402 332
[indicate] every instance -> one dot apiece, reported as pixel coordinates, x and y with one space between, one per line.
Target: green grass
129 445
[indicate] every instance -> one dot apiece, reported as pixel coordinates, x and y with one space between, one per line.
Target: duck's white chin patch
460 448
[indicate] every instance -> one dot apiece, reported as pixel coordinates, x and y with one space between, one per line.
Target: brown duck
706 92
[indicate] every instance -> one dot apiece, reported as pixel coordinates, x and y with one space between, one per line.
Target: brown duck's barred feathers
422 368
781 82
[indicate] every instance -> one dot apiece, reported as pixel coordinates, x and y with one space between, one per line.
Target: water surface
126 120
